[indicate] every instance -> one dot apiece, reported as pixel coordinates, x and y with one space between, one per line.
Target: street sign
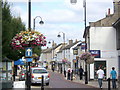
19 84
29 59
28 52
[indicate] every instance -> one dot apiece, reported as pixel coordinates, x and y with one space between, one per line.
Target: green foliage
10 27
37 50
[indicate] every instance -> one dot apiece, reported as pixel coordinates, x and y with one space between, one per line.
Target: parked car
36 75
22 75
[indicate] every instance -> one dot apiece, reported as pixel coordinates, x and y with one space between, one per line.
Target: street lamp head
41 22
49 42
59 35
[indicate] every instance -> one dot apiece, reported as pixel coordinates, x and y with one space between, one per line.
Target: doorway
98 64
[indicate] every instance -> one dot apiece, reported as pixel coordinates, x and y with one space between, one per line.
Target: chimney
54 44
76 40
70 42
109 12
116 4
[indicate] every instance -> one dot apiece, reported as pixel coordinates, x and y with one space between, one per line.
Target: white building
100 37
103 39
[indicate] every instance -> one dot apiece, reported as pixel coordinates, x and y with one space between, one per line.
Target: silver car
36 75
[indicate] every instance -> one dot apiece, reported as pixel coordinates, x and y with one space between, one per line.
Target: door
98 64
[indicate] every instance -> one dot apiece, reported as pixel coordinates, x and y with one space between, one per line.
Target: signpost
28 55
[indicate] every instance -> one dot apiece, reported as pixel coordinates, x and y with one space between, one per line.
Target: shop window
98 64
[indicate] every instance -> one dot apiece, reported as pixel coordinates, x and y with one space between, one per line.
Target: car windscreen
39 71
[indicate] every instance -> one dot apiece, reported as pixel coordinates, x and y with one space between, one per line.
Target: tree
10 27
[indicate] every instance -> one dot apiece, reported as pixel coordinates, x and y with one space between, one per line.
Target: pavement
93 83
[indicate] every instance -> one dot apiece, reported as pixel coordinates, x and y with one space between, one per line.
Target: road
58 81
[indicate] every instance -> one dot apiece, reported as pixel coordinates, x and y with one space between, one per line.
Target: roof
117 23
61 49
48 50
77 47
69 46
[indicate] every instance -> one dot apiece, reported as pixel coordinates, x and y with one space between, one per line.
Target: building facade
101 40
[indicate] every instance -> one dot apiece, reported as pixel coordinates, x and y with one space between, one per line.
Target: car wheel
47 84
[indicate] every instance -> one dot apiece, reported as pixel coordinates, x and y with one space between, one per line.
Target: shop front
94 67
98 64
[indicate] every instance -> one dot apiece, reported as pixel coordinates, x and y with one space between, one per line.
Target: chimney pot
108 11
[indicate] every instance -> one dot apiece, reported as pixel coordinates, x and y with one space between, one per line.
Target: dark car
22 75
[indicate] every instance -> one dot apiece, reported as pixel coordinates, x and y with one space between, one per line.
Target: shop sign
95 53
75 51
83 46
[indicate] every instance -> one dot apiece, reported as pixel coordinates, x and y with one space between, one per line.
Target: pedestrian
69 73
81 72
113 75
61 70
100 74
53 68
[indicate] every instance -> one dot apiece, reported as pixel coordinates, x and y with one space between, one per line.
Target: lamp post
84 5
53 63
28 74
41 22
63 50
52 48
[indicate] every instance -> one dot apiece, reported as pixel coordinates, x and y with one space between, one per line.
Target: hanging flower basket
87 57
90 61
28 39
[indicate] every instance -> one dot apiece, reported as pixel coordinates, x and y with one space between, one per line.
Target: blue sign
29 59
83 46
28 52
19 62
95 53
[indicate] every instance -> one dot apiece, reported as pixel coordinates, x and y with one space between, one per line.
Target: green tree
10 27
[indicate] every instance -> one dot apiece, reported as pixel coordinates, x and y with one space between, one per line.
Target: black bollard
109 84
72 75
61 70
65 73
13 76
42 83
29 81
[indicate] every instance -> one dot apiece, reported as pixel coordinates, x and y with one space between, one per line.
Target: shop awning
19 62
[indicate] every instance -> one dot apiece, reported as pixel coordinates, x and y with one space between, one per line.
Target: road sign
28 52
19 84
29 59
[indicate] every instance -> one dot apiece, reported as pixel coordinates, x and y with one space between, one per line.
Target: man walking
81 72
69 71
100 74
113 75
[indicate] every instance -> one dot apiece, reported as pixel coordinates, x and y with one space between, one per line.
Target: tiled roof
69 46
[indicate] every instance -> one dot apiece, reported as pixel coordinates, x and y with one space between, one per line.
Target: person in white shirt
100 74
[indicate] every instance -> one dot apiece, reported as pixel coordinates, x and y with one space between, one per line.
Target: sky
60 16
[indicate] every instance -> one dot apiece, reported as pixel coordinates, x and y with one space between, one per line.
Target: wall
104 39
